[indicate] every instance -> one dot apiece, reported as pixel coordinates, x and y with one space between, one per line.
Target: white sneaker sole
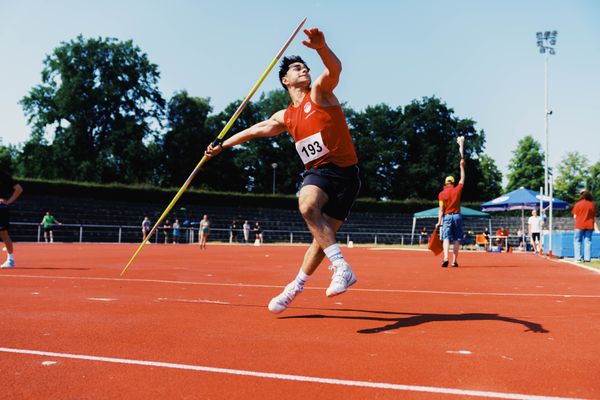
329 293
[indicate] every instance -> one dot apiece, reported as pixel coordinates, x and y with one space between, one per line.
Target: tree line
98 116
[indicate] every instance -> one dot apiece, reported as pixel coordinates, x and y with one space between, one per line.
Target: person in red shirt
584 212
502 238
449 214
316 122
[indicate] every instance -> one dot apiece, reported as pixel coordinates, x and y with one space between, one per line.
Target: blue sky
480 57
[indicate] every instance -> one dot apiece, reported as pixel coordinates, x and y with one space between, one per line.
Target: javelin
218 139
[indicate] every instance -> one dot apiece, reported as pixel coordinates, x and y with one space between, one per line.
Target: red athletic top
449 199
321 134
584 212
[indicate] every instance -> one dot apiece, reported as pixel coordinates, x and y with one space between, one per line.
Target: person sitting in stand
502 239
424 237
486 235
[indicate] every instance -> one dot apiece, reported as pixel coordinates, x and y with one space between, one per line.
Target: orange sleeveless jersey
321 134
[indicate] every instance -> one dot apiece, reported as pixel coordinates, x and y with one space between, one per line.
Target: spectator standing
204 231
48 222
535 224
167 230
233 231
145 227
584 212
258 232
10 190
521 239
246 229
176 231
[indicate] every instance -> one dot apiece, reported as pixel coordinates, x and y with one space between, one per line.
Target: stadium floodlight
545 42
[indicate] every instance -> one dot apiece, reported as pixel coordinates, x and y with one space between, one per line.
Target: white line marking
287 377
579 265
100 299
192 301
464 352
245 285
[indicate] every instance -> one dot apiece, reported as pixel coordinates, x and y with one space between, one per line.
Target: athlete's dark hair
285 66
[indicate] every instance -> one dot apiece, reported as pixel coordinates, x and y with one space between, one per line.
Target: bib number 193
311 148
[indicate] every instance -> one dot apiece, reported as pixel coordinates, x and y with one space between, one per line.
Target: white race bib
311 148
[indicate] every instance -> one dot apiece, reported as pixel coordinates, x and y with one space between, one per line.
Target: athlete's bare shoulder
279 117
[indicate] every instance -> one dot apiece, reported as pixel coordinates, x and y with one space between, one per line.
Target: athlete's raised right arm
270 127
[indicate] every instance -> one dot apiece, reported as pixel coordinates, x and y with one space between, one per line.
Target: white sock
301 278
10 257
334 253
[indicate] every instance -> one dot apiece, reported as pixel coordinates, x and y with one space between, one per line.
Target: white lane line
581 296
100 299
287 377
192 301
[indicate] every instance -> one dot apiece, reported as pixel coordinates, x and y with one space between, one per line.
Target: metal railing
90 233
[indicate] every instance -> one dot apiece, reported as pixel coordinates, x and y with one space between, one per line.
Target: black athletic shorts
341 185
535 236
4 223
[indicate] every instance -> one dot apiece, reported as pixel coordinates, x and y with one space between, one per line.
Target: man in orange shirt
584 212
449 213
316 122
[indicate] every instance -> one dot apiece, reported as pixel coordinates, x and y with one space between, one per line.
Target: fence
80 233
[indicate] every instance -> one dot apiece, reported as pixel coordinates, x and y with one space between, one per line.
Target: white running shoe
342 278
8 264
283 299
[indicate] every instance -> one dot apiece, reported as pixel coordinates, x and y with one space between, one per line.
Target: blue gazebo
523 199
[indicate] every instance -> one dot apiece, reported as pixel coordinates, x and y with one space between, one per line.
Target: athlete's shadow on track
404 320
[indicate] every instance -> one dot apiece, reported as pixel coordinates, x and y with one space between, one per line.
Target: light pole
546 41
274 165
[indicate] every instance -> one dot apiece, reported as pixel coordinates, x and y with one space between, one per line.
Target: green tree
378 143
429 151
36 159
187 133
526 168
490 186
6 159
99 99
593 181
254 159
573 175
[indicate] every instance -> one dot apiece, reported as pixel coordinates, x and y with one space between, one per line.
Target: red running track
190 324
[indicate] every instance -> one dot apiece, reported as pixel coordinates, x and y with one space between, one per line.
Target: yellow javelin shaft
219 137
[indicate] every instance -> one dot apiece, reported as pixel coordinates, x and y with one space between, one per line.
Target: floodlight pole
546 42
546 114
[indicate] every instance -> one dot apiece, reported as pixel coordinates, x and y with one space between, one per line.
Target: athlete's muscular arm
323 86
18 190
270 127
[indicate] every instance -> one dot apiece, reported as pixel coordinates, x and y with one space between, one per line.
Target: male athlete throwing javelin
317 124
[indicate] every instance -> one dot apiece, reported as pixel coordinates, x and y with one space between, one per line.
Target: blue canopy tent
523 199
